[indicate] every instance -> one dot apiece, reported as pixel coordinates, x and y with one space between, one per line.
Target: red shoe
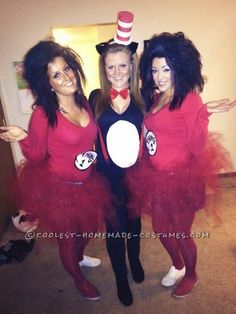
88 290
185 286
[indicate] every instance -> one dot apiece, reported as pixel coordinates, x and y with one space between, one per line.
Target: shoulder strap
103 146
140 154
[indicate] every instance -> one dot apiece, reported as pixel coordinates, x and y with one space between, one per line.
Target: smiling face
61 78
162 74
118 69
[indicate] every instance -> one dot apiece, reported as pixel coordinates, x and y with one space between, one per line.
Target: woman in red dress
58 180
176 165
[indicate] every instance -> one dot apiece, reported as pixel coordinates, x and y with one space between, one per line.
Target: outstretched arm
221 105
12 133
34 143
196 119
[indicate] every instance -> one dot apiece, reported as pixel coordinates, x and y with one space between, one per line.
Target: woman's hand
12 133
221 105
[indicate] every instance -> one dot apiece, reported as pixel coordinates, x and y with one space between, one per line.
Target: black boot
137 270
124 293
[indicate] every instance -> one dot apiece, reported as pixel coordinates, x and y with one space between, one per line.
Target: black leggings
124 235
118 241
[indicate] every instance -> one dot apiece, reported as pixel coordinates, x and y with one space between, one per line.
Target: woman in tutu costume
58 182
178 155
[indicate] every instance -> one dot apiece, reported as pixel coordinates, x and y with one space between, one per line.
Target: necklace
61 109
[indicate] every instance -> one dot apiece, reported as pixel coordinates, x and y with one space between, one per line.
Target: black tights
116 247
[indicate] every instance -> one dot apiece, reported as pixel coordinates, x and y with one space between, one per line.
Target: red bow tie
123 93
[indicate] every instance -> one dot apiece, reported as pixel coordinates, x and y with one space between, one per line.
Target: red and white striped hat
123 34
124 27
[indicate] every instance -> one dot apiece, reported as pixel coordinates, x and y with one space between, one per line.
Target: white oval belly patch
123 143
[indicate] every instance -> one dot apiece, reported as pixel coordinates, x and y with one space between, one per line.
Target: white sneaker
89 261
172 276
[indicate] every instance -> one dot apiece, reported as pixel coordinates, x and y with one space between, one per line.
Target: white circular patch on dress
84 160
123 143
151 143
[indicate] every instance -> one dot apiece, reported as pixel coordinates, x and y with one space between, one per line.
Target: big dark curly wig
36 63
184 60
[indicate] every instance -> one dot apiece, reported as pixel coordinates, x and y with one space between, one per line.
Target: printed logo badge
84 160
151 143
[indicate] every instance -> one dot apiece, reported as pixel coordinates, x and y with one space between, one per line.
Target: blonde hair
103 98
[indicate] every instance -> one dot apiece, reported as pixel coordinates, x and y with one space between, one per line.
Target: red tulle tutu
60 205
181 188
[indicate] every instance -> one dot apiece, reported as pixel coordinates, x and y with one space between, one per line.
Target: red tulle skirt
181 188
61 205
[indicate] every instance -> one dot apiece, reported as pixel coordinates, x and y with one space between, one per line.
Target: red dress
58 182
172 176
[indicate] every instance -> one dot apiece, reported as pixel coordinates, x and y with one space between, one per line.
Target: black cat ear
133 46
101 47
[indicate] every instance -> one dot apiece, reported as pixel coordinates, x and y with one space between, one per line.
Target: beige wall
210 24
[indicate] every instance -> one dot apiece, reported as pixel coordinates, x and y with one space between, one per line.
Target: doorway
83 40
7 171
